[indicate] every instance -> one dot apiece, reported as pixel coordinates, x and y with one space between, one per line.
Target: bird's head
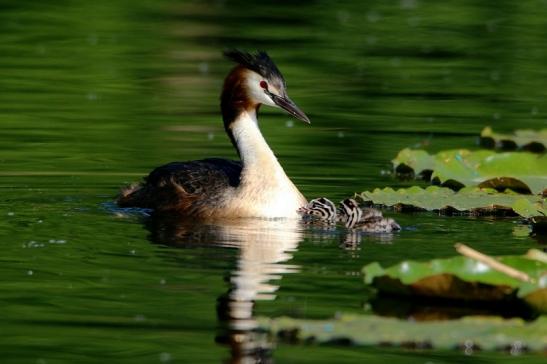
257 81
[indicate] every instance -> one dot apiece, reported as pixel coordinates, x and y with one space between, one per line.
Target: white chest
269 196
264 190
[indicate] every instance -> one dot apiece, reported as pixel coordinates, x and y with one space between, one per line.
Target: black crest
259 62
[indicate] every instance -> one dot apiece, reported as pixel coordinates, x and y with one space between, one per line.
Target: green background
94 94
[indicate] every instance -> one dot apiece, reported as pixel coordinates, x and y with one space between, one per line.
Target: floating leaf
463 278
526 139
472 200
414 161
485 333
468 200
529 207
536 211
519 171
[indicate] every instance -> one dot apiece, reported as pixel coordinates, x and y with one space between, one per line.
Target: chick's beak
289 106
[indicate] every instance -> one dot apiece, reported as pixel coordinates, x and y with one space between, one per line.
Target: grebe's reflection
265 247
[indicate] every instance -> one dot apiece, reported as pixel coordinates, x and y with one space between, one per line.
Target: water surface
94 95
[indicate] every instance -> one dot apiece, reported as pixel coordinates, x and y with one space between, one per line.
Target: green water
95 94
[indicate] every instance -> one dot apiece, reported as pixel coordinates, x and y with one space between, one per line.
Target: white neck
264 186
253 149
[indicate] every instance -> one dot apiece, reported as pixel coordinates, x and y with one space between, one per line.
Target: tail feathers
130 196
168 197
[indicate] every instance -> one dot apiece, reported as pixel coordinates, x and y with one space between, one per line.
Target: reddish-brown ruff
235 99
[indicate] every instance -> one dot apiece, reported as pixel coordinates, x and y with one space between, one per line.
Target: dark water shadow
438 309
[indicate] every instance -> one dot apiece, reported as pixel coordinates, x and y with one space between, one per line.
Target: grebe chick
319 210
365 219
350 214
255 186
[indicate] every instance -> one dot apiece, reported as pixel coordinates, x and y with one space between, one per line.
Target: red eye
264 85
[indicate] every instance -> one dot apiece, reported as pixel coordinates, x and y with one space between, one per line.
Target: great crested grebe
256 186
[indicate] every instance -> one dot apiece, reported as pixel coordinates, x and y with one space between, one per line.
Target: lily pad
471 200
463 278
536 211
526 139
519 171
485 333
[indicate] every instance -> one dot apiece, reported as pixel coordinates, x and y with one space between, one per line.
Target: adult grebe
256 186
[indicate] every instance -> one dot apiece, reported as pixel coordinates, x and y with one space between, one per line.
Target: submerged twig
491 262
